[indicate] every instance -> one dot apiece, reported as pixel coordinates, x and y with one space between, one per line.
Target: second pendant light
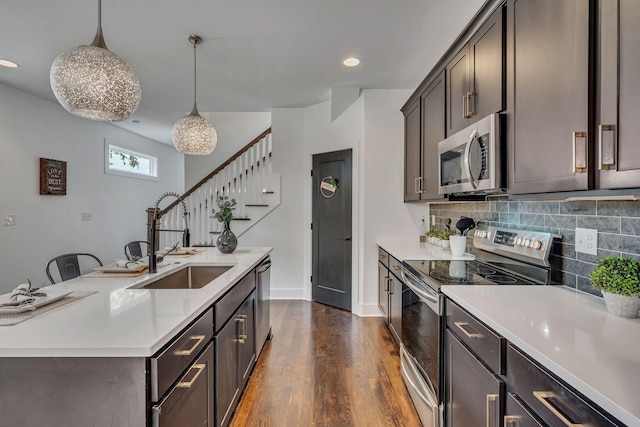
193 134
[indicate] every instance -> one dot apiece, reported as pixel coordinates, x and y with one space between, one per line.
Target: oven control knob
527 243
537 244
519 241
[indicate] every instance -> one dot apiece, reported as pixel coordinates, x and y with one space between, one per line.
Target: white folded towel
135 266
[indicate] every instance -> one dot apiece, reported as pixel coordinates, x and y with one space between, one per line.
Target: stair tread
254 205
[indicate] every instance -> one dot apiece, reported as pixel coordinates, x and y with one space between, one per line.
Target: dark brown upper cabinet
412 173
475 76
424 129
548 86
618 90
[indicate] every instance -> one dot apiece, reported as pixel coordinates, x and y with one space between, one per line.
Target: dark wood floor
325 367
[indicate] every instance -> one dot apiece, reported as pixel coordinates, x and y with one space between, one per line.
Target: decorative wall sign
53 177
328 186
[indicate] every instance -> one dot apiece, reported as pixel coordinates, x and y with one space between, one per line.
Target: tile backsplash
617 222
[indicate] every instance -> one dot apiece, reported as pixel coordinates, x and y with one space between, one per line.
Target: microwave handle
467 161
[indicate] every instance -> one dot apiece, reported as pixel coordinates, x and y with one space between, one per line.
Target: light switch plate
9 220
87 216
587 241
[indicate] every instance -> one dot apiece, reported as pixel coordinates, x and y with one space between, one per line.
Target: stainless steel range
502 257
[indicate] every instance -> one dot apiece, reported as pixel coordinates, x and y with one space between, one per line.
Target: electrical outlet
433 220
587 241
87 216
9 220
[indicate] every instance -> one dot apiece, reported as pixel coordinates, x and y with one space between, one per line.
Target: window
124 162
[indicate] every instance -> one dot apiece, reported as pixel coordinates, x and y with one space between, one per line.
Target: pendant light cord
195 39
98 40
195 44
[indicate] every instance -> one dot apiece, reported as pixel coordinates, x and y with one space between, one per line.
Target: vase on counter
622 305
227 241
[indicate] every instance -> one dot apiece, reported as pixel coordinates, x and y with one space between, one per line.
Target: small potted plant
227 241
619 280
444 238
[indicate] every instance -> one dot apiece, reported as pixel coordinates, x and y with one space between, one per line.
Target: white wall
47 226
285 227
373 127
235 130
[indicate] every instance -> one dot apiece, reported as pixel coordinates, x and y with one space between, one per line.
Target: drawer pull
187 352
492 410
511 421
187 384
463 325
543 397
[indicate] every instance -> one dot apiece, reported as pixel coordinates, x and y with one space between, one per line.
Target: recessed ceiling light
351 62
8 63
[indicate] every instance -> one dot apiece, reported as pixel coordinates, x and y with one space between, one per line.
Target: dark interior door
331 229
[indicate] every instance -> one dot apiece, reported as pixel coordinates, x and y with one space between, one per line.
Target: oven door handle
426 294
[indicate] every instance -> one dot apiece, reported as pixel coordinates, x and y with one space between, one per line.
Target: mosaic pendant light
193 134
94 83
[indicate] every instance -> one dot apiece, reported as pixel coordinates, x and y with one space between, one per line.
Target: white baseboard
284 293
369 310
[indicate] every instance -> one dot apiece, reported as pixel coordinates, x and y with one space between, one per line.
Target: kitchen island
91 362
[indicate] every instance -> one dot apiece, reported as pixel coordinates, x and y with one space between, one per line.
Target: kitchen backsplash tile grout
617 222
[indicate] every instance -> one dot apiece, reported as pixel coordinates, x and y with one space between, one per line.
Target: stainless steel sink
190 277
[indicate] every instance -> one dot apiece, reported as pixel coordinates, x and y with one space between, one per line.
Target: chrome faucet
153 259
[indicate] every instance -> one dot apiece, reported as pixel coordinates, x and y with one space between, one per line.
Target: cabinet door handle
391 285
417 186
543 397
187 351
471 105
386 284
242 319
493 418
463 325
187 384
607 147
579 152
464 106
511 421
244 326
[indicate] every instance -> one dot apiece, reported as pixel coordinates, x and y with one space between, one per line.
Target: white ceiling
256 55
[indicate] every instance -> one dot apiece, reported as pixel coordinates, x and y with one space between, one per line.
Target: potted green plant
443 235
227 241
619 281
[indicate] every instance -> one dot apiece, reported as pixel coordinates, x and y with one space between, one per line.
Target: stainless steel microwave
470 160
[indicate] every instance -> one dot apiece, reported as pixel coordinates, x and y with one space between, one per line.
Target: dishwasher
263 305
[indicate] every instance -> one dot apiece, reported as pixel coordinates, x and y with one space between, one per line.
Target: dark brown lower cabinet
190 402
490 382
234 359
474 394
551 401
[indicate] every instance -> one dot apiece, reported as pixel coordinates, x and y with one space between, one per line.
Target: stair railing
246 176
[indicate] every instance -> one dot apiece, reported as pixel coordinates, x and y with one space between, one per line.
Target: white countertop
404 250
122 322
569 333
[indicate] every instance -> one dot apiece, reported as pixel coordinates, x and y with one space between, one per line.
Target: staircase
246 177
